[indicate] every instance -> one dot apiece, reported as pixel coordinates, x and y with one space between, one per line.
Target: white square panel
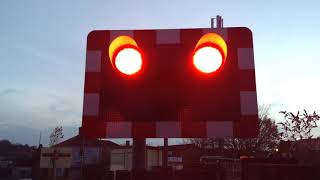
91 104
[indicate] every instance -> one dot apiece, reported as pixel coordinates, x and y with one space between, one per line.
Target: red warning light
125 55
210 53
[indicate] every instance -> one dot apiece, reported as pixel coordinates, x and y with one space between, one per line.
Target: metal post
212 22
221 148
219 22
165 153
40 138
54 172
139 154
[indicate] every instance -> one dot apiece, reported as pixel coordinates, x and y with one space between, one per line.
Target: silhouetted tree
266 141
56 135
16 151
297 128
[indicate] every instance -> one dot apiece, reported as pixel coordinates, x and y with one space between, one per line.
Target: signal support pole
219 22
139 159
165 153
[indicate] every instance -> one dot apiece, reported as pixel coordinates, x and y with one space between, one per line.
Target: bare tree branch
56 135
298 126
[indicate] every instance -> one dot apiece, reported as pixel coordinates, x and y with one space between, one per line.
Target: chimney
127 143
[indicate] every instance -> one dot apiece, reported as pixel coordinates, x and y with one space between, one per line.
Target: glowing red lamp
125 55
210 53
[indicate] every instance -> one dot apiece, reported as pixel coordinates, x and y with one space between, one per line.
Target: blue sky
42 47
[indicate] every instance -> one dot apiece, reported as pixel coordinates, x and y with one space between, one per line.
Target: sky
42 48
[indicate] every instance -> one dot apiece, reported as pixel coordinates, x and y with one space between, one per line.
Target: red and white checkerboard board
100 122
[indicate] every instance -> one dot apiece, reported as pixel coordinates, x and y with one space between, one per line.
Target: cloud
8 91
40 108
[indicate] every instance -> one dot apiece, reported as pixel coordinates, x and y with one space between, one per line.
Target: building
179 156
23 169
15 169
121 158
306 151
15 160
183 156
6 168
87 157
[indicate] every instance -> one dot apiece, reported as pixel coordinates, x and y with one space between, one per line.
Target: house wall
91 154
22 172
154 158
121 159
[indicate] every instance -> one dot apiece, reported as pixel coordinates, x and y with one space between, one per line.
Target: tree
297 130
202 143
56 135
266 141
298 126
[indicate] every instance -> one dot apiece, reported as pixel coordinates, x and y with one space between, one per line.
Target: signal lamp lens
125 55
207 59
128 61
210 53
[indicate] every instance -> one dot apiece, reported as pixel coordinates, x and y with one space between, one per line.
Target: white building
121 158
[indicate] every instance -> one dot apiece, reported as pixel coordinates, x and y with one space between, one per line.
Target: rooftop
78 140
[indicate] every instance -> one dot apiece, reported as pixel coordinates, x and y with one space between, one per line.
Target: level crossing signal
175 83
